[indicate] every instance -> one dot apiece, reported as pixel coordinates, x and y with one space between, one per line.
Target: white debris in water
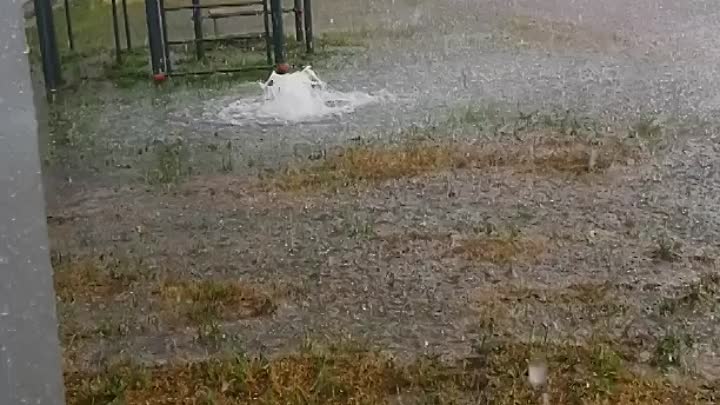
537 373
294 97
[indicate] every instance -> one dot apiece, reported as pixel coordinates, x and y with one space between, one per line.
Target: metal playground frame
160 45
271 11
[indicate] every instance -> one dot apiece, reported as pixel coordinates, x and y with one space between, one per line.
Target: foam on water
295 97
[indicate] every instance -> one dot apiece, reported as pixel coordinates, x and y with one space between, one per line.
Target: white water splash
295 97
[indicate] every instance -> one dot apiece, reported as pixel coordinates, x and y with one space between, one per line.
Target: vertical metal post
164 32
30 364
309 40
155 37
126 22
268 38
68 24
116 31
299 35
48 44
278 31
197 24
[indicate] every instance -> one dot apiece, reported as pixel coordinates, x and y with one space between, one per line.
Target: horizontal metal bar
242 13
227 14
217 5
252 35
227 70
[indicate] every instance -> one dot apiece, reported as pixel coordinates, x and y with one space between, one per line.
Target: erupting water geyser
295 97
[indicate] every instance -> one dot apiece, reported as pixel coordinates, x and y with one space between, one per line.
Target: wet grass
236 62
371 164
134 68
360 38
107 298
483 245
92 27
697 297
171 163
669 351
539 153
647 127
595 372
585 312
589 375
90 280
590 298
303 378
343 39
501 249
666 250
204 301
501 120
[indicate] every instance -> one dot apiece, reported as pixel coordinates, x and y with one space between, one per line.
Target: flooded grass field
525 213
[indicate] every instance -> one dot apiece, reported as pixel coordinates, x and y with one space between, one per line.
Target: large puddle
292 98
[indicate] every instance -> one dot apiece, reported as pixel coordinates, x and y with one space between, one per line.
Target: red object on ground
282 68
159 77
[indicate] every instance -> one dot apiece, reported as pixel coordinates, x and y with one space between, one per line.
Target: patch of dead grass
372 164
501 249
538 153
589 375
204 301
595 374
585 294
547 155
92 280
341 378
490 248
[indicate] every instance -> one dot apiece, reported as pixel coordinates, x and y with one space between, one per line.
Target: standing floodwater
295 97
531 216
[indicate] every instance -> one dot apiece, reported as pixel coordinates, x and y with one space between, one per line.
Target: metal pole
116 31
30 363
68 24
48 44
299 35
197 24
155 39
309 40
268 39
166 45
128 40
278 31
